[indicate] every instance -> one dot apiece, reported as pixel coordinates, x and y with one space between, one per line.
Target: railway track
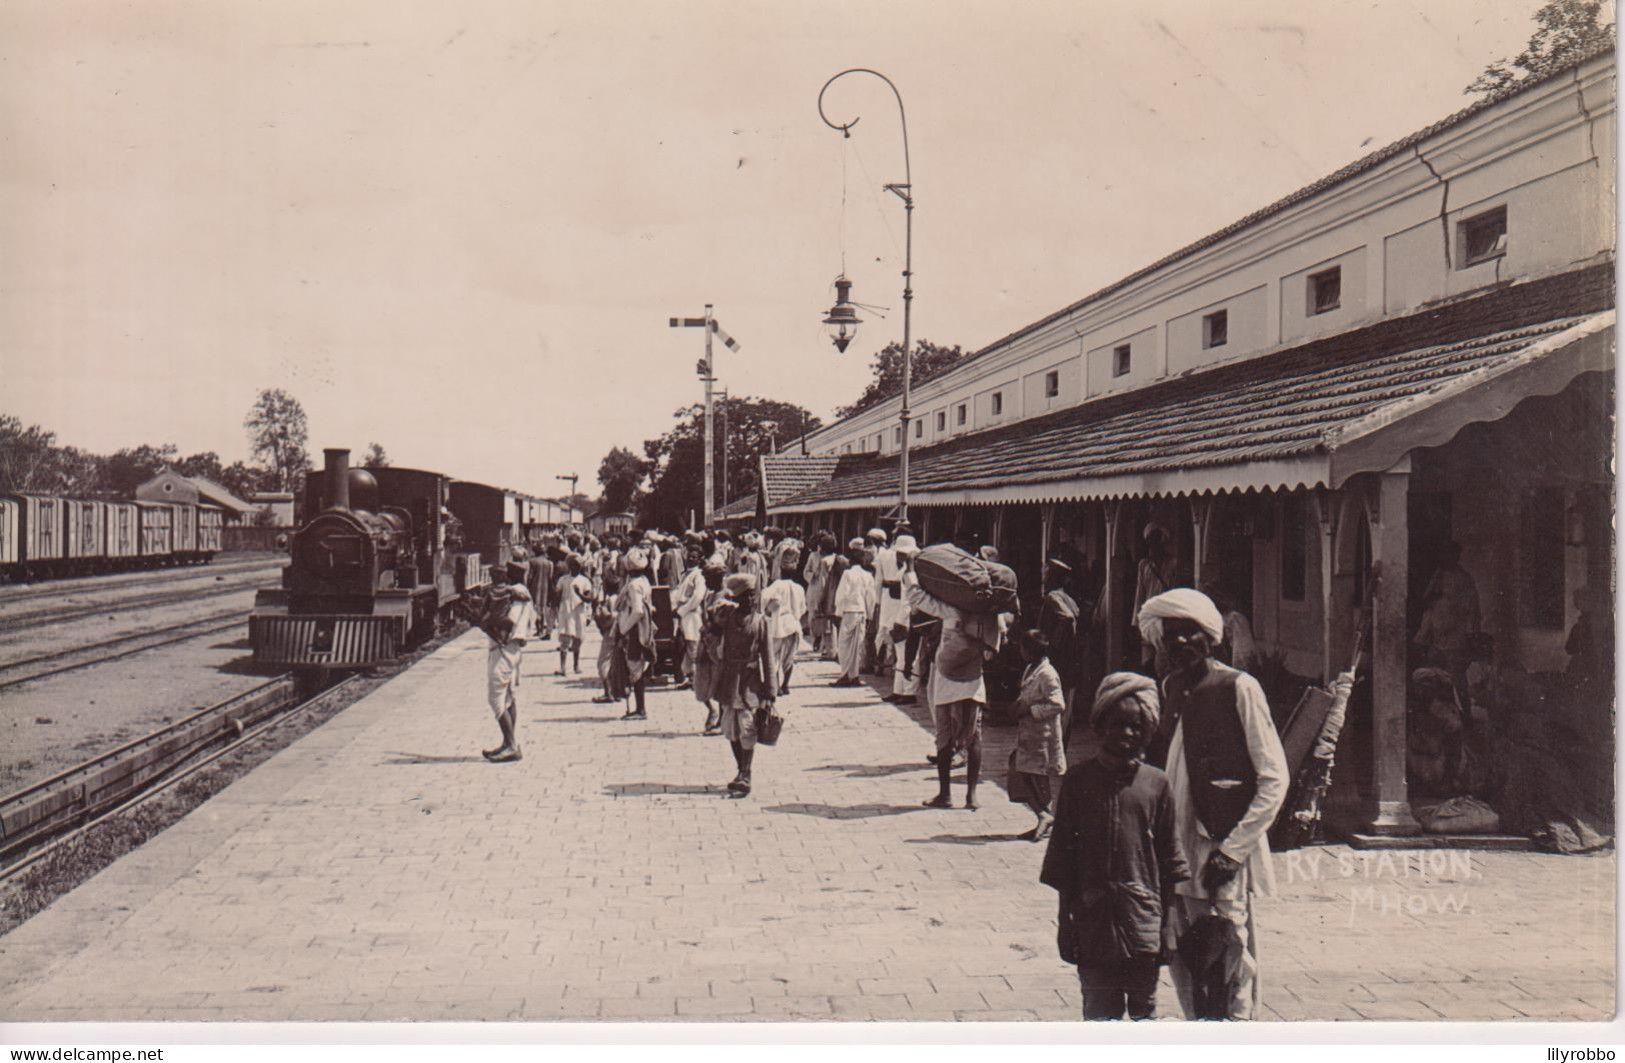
17 621
59 588
38 818
45 665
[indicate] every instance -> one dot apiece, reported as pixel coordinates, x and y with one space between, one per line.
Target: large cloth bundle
964 581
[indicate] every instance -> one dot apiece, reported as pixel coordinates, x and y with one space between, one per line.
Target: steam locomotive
372 573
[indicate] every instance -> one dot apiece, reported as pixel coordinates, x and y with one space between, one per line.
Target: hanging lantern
842 321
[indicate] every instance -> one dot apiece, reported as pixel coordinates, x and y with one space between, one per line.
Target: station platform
380 869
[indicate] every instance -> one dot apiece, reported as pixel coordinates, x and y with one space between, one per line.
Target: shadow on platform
874 771
844 811
655 789
424 758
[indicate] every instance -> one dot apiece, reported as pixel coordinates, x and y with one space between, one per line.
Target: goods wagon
156 541
211 522
123 542
40 535
10 524
84 525
184 525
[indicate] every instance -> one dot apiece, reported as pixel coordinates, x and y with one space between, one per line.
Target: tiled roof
1276 407
218 495
1368 162
784 475
739 509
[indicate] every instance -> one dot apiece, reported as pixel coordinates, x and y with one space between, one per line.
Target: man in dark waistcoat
1229 779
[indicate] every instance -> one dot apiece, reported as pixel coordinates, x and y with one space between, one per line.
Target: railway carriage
490 517
10 541
155 541
184 523
123 545
41 531
211 523
84 525
43 536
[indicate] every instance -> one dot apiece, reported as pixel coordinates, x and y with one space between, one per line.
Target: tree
206 464
28 456
375 458
133 466
244 480
80 473
930 360
277 434
621 473
746 428
1563 29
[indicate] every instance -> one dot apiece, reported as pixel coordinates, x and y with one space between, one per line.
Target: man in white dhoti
1229 778
904 687
854 602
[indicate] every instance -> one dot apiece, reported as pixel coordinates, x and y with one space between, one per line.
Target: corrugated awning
1311 416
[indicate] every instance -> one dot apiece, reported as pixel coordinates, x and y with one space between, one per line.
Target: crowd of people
1157 842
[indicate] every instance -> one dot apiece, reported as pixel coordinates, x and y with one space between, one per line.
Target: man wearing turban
1114 857
1229 779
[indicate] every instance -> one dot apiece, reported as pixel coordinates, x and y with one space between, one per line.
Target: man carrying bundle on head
504 612
1229 779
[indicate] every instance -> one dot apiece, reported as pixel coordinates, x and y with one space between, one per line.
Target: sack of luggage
965 581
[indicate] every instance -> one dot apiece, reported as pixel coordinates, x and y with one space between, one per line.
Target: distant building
278 503
610 523
171 486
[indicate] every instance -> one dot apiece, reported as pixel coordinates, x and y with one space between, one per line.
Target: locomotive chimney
337 477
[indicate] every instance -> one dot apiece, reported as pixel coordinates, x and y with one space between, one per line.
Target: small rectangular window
942 421
1325 290
897 435
1215 329
1483 237
998 403
1052 383
961 418
919 429
1122 359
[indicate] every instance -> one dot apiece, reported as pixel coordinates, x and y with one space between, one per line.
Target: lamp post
905 192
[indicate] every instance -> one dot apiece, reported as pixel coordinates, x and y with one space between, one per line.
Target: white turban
1181 603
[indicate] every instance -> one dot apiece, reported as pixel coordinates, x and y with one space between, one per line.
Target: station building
1315 402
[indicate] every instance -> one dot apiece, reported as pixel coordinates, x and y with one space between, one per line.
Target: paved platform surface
379 869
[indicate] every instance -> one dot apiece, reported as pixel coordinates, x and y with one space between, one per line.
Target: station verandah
1515 470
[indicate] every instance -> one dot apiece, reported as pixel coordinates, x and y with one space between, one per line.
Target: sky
458 229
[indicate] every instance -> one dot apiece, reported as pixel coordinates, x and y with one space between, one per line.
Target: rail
34 819
191 629
22 620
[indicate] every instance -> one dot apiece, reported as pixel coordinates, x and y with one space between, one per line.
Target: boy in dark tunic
1115 858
